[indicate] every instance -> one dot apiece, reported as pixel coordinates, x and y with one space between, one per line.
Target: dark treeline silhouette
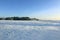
18 18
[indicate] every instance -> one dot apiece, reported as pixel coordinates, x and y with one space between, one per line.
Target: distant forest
18 18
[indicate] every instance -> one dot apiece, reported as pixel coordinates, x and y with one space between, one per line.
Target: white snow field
29 30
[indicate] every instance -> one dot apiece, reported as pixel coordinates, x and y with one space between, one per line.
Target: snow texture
29 30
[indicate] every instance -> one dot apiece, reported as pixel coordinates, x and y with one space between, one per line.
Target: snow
29 30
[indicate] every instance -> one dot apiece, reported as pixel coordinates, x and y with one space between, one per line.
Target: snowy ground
29 30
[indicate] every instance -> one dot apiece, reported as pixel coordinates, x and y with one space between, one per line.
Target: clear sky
42 9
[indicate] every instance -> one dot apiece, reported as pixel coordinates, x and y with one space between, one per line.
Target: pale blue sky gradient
42 9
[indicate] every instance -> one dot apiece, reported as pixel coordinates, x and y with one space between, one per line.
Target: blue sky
42 9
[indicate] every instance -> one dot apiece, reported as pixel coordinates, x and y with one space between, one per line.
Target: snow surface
29 30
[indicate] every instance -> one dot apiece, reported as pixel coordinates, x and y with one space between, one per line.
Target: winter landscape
29 19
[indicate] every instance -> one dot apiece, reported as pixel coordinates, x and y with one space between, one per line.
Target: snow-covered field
29 30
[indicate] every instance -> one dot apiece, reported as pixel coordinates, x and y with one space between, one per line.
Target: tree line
18 18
